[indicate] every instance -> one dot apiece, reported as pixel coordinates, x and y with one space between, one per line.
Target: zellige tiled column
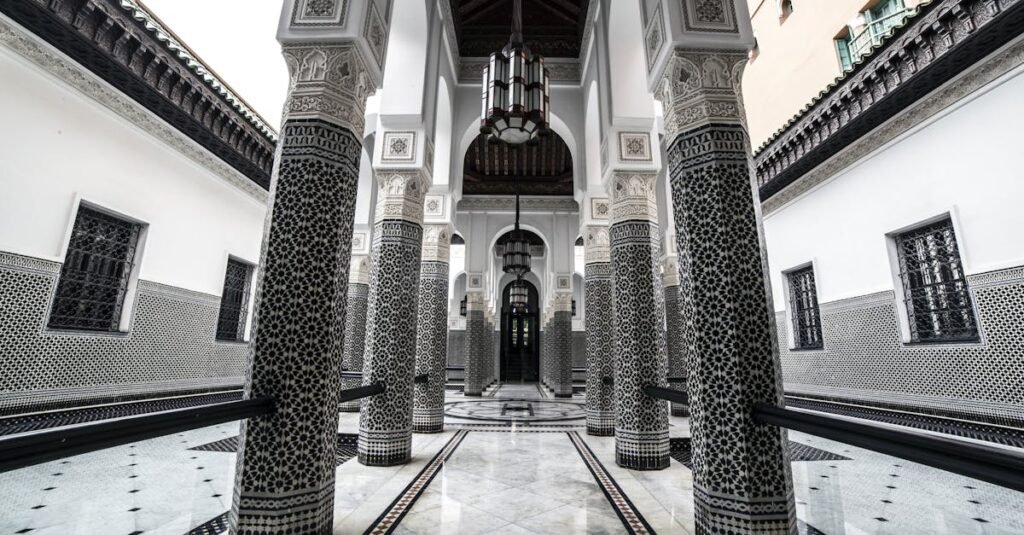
432 330
284 481
741 477
600 332
641 422
679 334
560 336
476 333
385 421
355 329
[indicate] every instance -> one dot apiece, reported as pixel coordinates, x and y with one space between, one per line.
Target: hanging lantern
462 306
516 259
515 90
519 297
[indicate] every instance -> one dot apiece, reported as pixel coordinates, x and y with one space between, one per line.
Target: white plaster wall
966 162
58 146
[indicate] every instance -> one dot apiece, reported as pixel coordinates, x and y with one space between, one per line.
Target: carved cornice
75 75
596 244
400 194
121 43
930 49
508 204
329 82
701 87
633 196
437 241
359 270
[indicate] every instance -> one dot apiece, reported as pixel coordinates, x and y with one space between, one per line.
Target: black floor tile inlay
346 446
681 449
214 526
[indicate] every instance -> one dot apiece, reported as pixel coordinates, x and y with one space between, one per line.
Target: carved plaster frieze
320 13
437 241
508 203
670 271
329 82
471 70
596 244
400 194
633 196
73 74
701 87
475 301
561 301
359 270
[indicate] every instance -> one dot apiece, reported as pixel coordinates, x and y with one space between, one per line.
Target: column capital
400 194
670 271
330 82
475 301
359 270
701 87
596 244
633 196
437 239
561 301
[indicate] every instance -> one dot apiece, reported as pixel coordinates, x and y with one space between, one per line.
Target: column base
427 420
385 448
309 511
642 451
600 423
680 410
347 382
731 514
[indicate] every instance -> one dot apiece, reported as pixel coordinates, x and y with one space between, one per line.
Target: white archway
443 120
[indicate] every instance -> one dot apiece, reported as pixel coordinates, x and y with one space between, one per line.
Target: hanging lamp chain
517 22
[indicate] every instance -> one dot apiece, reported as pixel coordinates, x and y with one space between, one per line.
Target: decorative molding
471 70
924 109
436 243
633 196
600 208
670 271
563 282
596 244
328 82
508 204
360 242
45 57
376 34
29 264
400 194
474 282
588 29
561 301
359 270
434 207
320 13
701 87
940 40
718 16
1002 277
654 37
635 147
399 147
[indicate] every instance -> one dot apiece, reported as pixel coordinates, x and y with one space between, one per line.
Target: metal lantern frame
516 258
519 297
515 91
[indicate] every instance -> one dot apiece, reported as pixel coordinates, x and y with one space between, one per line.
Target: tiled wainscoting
865 361
169 348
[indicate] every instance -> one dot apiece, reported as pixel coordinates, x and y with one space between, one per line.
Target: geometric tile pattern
633 521
476 340
285 475
863 352
170 345
345 450
559 336
741 471
431 348
641 422
355 340
676 343
600 350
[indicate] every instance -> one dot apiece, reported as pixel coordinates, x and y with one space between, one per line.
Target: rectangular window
843 49
803 304
935 289
96 272
234 302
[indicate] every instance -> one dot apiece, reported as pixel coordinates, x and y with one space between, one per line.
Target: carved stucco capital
437 241
359 270
596 244
701 87
329 82
400 194
633 196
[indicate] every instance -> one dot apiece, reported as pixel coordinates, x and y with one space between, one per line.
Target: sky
235 38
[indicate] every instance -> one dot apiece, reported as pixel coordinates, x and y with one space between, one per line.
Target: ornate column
560 336
284 480
385 421
641 422
679 333
742 481
432 330
355 329
476 334
600 331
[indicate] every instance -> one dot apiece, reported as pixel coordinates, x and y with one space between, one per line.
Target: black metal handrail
667 394
421 379
27 450
985 463
361 392
608 380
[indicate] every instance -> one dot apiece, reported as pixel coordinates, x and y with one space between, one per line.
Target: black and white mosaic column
597 284
476 339
284 481
742 481
355 329
385 421
560 339
679 334
432 330
641 422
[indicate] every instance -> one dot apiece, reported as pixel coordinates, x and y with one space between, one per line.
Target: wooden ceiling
551 28
541 169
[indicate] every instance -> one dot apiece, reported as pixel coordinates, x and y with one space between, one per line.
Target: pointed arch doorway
520 350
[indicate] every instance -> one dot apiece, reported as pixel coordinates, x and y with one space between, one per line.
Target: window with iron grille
96 272
934 285
234 302
803 305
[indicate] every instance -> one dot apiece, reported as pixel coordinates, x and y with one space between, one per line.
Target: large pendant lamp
517 259
515 94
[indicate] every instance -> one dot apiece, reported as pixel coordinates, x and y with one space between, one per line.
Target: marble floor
513 461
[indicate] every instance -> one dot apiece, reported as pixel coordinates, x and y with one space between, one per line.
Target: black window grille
803 304
934 285
234 302
96 272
